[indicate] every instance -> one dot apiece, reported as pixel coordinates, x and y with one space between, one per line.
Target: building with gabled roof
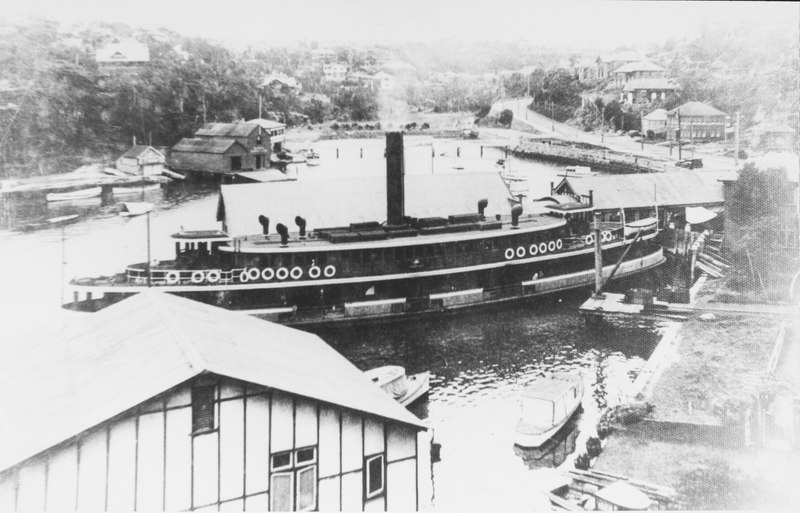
637 70
698 122
142 160
275 130
217 155
647 90
163 403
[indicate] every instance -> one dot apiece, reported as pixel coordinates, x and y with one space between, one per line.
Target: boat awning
624 496
697 215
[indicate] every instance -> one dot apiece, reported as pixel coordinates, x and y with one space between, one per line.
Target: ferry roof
547 389
96 366
340 202
679 188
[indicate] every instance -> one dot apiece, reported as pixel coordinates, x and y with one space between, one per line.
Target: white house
383 80
162 403
142 160
334 72
275 130
123 52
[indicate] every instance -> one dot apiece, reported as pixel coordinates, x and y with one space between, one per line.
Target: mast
598 256
149 282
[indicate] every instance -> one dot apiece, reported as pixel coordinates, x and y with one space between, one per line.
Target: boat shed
340 202
208 155
639 194
142 160
163 403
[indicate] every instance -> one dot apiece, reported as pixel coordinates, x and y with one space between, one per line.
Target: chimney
395 173
264 221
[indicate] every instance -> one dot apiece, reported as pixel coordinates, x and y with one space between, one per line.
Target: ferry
371 270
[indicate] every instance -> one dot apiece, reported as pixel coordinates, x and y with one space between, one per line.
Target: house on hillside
637 70
384 80
585 70
640 91
698 122
122 52
608 63
142 160
334 72
280 82
161 403
208 156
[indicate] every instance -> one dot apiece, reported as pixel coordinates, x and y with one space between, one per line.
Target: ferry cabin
161 403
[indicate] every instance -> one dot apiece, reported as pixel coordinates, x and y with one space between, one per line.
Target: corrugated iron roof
696 109
226 130
58 381
644 190
205 145
657 115
649 83
266 124
339 202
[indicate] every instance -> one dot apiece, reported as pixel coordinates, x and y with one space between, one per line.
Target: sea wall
574 153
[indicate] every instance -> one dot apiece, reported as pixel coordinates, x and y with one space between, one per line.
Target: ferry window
374 477
203 414
294 488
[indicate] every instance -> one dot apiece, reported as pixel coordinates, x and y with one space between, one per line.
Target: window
374 477
293 482
203 411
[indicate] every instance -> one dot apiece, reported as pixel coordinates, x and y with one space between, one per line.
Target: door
236 163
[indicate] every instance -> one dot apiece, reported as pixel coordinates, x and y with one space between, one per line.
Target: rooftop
205 145
93 367
266 124
225 130
650 83
638 66
696 109
645 190
657 115
138 149
123 51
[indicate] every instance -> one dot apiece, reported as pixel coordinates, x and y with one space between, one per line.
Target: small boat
645 225
547 404
577 171
75 195
49 223
136 189
621 496
405 389
130 208
312 158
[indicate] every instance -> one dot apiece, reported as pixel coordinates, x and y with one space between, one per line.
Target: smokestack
482 204
515 213
395 172
301 223
264 224
284 232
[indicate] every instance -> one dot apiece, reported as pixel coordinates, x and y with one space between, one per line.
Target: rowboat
547 404
577 171
130 208
119 191
49 223
75 195
404 389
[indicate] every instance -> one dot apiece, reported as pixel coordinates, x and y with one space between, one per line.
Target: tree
506 117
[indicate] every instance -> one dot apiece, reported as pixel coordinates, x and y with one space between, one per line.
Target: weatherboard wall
149 459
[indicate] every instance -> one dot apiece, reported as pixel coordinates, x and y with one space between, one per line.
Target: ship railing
172 277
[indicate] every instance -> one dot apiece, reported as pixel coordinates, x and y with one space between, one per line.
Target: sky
577 24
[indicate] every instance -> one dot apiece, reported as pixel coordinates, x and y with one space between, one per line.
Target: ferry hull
400 298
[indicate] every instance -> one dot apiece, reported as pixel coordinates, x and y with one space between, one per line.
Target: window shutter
203 398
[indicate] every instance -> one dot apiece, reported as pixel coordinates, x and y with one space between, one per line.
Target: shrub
593 447
582 462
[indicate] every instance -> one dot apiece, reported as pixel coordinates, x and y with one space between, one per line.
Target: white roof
339 202
266 124
123 50
61 380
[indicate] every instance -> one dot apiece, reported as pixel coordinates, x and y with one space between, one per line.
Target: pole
598 256
63 262
149 283
641 126
602 123
736 143
678 136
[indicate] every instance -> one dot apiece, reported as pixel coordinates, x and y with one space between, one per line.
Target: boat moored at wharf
368 270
